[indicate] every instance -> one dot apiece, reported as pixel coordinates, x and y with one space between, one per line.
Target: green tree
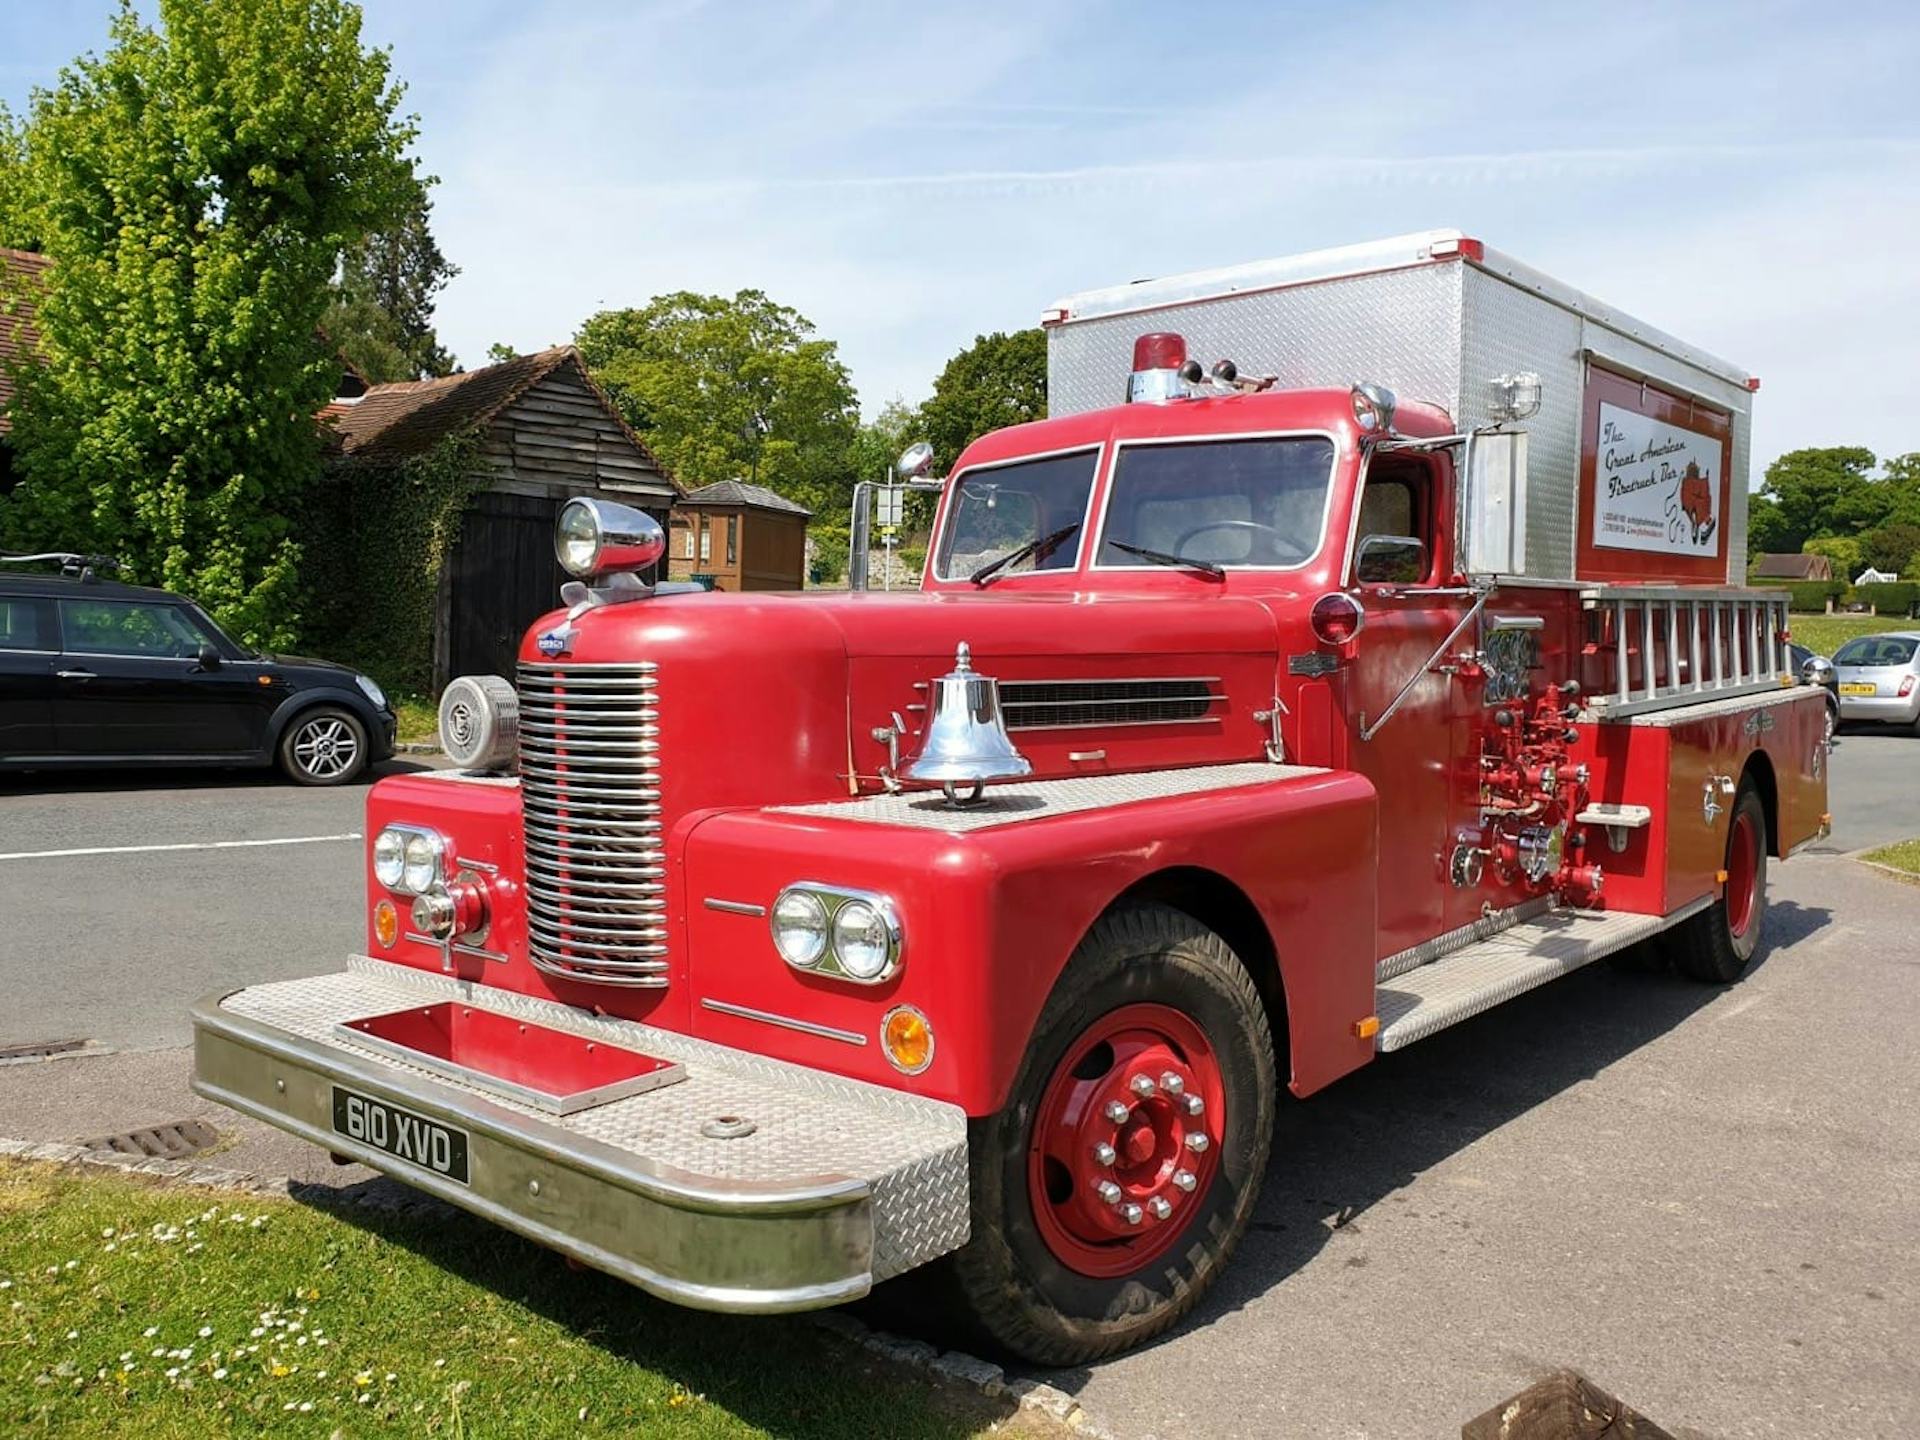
1767 530
18 230
1842 550
499 352
998 380
196 185
1823 492
380 307
1890 547
730 389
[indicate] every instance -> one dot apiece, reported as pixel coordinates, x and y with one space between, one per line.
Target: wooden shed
546 433
741 536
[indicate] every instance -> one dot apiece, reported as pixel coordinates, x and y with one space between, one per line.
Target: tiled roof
1793 567
739 492
20 272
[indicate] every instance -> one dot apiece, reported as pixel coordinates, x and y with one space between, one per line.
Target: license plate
1859 689
401 1133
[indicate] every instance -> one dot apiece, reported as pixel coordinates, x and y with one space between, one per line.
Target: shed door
501 578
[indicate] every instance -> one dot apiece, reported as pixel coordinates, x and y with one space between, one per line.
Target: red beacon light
1159 358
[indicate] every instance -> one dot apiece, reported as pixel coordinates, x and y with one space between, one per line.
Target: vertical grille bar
590 792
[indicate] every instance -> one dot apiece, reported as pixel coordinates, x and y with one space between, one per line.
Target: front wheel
1716 945
1109 1191
324 746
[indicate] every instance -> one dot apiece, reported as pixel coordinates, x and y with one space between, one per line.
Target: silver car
1879 678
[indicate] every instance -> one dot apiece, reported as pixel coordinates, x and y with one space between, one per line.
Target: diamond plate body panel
1481 975
1044 799
911 1151
1433 331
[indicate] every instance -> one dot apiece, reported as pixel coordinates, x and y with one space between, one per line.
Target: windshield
1222 503
999 511
1877 650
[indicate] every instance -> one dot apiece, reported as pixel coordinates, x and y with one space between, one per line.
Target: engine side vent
1063 704
590 794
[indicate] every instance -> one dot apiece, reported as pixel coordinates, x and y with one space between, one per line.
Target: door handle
74 674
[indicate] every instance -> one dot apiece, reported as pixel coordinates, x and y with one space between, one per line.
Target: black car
93 672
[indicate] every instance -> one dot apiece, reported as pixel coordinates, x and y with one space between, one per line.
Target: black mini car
94 672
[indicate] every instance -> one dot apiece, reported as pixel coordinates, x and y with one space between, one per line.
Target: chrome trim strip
734 907
785 1022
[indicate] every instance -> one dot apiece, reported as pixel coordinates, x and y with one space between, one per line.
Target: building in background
1792 567
739 537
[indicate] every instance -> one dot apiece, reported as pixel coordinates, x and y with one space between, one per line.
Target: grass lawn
127 1308
419 718
1824 634
1901 855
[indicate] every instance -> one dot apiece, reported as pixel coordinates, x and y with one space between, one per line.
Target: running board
1479 976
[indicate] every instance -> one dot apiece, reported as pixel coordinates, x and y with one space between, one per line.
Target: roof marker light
1158 358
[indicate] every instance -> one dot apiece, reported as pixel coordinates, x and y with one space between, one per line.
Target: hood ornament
966 743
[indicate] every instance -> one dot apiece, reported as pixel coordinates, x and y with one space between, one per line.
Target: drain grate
40 1049
169 1142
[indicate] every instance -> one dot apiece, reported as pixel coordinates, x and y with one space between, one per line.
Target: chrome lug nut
1141 1085
1196 1141
1172 1083
1160 1207
1116 1112
1132 1214
1103 1154
1184 1179
1108 1191
1194 1104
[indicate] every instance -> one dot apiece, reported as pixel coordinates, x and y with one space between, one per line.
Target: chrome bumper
622 1187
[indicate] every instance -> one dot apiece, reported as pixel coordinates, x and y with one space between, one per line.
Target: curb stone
954 1365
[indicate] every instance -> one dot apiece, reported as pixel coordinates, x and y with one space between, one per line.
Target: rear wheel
324 746
1111 1188
1716 945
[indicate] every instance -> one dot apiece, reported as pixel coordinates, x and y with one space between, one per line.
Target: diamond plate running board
1478 977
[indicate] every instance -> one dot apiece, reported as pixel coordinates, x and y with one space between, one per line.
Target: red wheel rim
1126 1141
1743 871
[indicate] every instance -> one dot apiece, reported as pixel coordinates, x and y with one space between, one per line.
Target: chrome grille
590 792
1062 704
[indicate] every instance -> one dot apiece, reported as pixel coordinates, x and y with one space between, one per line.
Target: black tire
1017 1293
1709 947
326 745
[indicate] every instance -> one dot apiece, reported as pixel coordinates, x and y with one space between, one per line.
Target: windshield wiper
1161 557
1039 549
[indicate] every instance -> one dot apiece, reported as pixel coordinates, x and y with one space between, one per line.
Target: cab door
130 681
1410 611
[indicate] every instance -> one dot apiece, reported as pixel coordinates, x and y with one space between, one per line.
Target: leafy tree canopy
997 381
196 186
380 307
730 389
17 228
1823 492
1892 547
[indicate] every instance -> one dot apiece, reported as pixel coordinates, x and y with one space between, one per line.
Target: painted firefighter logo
1690 507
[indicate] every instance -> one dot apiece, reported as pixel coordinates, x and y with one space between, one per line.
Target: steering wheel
1281 545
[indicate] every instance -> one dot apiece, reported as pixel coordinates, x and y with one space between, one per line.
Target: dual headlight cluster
408 860
854 934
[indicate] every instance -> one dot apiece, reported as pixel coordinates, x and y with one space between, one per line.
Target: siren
1159 360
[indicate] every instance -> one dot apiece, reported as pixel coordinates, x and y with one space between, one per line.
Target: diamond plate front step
1480 975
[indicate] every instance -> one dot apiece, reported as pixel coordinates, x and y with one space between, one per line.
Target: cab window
1032 510
1259 503
128 627
1396 503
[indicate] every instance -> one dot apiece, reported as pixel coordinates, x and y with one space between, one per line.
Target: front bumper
841 1184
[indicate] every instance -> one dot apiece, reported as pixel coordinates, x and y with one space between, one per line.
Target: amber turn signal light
386 924
908 1039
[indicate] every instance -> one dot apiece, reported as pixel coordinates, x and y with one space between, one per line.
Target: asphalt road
1704 1199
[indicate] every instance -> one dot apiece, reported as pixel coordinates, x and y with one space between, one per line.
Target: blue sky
1746 176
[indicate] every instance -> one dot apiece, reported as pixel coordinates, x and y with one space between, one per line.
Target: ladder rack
1679 645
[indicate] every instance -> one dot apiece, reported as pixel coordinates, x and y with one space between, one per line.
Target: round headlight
389 857
800 927
576 538
862 940
422 864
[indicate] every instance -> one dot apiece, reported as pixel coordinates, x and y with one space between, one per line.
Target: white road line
197 845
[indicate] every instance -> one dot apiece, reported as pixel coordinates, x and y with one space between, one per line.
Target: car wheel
1109 1191
324 746
1716 945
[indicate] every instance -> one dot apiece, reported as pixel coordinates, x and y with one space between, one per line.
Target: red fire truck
1354 648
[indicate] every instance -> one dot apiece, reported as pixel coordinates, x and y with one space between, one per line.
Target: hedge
1895 597
1808 596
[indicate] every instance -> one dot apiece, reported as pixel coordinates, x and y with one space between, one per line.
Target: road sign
886 504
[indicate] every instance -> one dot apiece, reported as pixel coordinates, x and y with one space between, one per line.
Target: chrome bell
967 742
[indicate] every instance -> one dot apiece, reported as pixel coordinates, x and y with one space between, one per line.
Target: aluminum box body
1434 316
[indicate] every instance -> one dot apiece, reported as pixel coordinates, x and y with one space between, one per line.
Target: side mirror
1390 560
915 461
208 656
1493 504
